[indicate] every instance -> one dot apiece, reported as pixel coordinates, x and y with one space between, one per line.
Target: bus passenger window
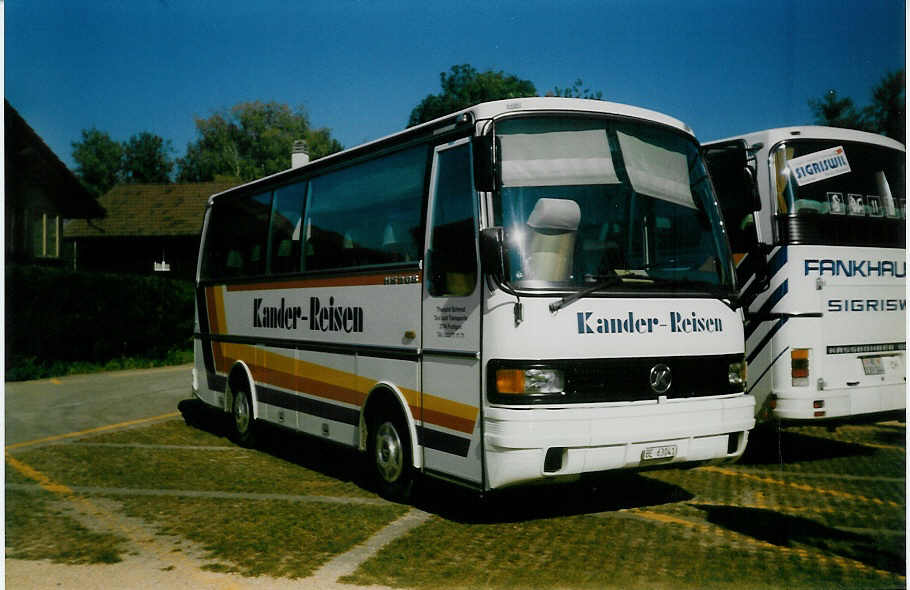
453 266
236 238
284 238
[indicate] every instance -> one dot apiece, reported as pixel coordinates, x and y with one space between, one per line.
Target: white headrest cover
555 214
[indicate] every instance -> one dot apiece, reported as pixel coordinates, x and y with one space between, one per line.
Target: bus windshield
839 192
585 200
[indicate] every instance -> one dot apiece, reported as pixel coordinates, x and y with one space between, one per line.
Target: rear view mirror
733 178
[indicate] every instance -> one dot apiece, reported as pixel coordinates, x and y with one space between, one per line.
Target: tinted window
366 214
453 266
235 243
285 235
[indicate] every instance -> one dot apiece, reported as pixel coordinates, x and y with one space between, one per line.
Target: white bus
524 290
819 244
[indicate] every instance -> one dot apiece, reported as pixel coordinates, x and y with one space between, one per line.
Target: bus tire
243 425
389 454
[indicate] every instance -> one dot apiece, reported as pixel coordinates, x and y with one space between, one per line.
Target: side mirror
484 174
733 178
491 254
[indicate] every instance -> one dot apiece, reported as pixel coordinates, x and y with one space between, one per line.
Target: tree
146 159
98 161
837 112
886 115
464 86
251 140
577 90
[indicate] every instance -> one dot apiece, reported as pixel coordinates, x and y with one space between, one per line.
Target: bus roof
482 111
770 137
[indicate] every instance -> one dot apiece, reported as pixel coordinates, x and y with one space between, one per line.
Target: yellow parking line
800 486
43 480
90 431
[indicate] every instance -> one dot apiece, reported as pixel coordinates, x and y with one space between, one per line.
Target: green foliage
102 162
58 320
886 115
464 86
146 160
98 161
889 103
251 140
577 90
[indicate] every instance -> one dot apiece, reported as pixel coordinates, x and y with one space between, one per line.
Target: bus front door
450 424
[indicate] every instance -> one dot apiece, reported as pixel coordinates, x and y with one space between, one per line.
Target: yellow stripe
43 480
258 357
90 431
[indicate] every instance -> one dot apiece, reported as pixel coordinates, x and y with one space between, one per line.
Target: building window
45 235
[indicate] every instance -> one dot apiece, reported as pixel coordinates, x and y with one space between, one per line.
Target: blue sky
359 67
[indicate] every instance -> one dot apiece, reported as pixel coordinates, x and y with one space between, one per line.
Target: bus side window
236 238
452 260
285 229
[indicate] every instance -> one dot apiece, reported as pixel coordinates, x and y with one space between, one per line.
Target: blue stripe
764 341
768 368
774 299
777 261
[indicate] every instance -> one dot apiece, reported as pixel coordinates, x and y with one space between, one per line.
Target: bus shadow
774 446
594 493
324 457
881 552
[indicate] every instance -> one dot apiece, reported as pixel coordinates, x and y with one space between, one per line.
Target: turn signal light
799 367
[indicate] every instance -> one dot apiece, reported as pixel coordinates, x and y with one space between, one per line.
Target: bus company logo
335 318
676 323
855 268
321 317
819 165
835 305
276 316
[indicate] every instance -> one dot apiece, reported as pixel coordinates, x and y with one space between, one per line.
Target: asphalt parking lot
805 508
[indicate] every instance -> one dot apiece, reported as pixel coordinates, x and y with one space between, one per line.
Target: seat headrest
555 214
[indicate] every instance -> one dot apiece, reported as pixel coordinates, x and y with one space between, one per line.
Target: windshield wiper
610 281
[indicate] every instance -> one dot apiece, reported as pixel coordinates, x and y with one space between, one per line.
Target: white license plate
872 365
658 453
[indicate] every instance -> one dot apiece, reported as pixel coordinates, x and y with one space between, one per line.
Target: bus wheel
242 422
390 455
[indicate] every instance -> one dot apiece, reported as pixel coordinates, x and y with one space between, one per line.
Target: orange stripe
357 280
346 388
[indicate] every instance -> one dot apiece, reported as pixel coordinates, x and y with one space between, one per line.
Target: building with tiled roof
148 228
39 192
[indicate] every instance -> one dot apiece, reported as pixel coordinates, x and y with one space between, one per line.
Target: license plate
658 453
872 365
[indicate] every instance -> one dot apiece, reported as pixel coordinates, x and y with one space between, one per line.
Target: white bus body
403 298
821 268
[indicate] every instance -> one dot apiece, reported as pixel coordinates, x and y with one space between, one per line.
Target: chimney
299 155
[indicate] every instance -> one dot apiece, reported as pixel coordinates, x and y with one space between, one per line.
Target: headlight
736 374
529 381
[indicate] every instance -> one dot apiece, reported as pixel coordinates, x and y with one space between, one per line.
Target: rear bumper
592 439
861 404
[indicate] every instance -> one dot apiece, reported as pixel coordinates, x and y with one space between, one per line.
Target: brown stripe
357 280
448 421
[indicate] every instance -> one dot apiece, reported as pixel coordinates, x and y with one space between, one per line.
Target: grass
256 537
37 528
829 512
